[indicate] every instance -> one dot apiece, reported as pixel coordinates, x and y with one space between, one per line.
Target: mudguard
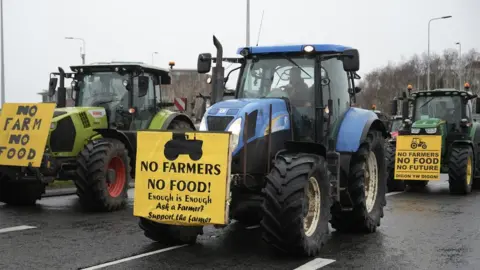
354 128
165 117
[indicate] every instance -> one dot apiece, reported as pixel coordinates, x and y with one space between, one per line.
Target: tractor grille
84 118
63 137
218 123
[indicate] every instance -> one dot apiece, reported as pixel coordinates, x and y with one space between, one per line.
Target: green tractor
448 113
94 142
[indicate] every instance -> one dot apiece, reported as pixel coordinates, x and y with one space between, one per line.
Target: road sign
180 104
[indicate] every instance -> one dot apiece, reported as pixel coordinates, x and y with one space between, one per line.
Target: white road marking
393 193
132 258
16 228
315 264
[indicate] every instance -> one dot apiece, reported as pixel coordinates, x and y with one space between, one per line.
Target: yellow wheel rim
469 170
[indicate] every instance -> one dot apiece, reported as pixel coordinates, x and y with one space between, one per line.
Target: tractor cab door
144 106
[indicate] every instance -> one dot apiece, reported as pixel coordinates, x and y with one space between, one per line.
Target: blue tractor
302 155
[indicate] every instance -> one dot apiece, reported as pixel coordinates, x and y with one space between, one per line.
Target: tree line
447 70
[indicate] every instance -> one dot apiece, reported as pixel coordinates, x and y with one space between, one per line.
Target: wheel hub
312 217
371 181
111 175
116 178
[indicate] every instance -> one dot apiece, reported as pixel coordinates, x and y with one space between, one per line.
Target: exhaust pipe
61 91
217 74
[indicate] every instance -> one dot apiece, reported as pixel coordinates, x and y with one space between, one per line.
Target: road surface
427 229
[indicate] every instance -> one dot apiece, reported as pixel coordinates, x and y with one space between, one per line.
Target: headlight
52 125
235 128
431 130
415 130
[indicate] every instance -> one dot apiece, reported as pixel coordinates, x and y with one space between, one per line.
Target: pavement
428 229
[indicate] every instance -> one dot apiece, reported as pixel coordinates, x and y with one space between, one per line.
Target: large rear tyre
170 234
366 186
103 173
460 170
392 184
296 209
19 193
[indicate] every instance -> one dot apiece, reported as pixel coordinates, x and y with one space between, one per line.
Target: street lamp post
248 24
82 51
2 60
153 53
428 60
460 64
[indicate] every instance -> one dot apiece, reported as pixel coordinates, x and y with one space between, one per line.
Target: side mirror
357 89
351 60
394 108
52 85
143 82
477 106
204 63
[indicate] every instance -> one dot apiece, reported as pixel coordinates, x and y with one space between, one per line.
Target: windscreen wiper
293 62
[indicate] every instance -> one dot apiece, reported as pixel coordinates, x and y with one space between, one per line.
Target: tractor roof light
466 85
171 64
308 49
409 87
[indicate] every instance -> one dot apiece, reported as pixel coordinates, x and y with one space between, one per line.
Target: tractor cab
315 80
129 92
441 110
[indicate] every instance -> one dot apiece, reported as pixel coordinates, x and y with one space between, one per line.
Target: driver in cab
297 89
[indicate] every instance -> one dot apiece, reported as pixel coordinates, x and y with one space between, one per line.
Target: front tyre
169 234
296 208
460 170
366 186
103 174
392 184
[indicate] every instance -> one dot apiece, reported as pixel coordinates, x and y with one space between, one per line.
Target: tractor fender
163 119
354 129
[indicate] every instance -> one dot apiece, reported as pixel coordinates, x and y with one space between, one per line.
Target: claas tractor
93 143
301 155
446 113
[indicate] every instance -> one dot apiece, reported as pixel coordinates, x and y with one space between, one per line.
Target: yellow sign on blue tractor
182 178
24 132
418 157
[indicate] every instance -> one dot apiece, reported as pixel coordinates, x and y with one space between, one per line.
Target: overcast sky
179 30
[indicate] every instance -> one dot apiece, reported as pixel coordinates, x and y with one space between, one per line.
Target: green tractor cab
447 114
93 143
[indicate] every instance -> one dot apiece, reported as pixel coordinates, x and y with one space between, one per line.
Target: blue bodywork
295 48
238 108
352 127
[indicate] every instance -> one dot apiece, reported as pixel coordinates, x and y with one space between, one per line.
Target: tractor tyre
296 208
103 175
392 184
367 164
180 126
20 194
460 170
170 234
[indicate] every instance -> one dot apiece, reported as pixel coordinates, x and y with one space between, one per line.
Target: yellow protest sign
182 178
418 157
24 133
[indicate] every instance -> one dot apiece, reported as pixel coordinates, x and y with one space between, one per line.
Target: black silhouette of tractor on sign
417 142
181 145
